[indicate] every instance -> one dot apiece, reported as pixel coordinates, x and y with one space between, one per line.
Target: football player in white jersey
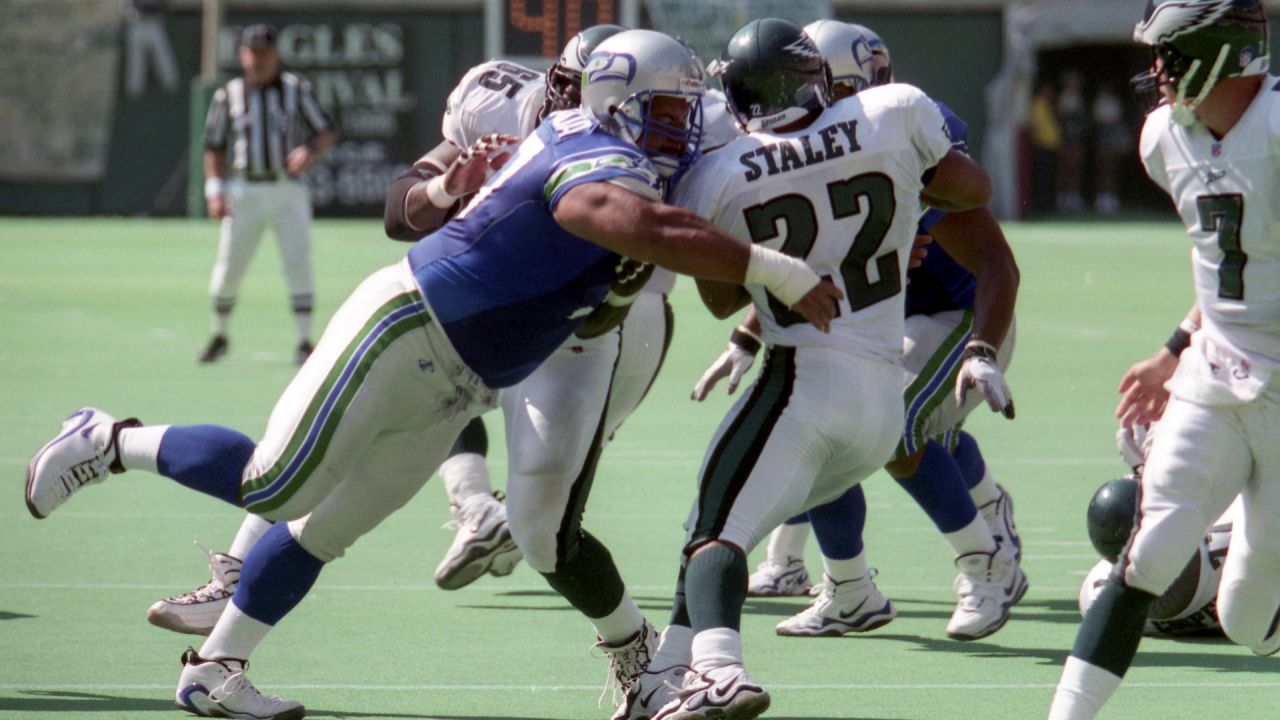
838 186
1214 145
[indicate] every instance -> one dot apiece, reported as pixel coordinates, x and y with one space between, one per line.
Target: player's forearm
721 298
322 142
215 164
974 239
409 213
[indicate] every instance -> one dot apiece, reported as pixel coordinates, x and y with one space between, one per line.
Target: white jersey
494 97
1225 191
719 128
842 194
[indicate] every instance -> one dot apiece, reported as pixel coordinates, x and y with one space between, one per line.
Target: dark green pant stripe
738 450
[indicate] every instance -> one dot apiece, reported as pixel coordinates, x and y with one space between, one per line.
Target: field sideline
111 312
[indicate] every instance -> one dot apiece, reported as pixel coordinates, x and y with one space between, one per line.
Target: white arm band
212 187
786 277
438 195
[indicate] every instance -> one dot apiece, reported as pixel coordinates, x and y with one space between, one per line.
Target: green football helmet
773 74
1198 42
1111 516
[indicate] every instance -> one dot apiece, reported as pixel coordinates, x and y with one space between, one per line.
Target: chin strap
1184 113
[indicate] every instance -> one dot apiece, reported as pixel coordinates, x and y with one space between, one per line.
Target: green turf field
112 312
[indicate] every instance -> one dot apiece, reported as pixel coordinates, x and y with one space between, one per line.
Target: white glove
978 369
733 363
1133 442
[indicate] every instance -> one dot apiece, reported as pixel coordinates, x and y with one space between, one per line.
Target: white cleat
628 659
483 543
722 693
219 688
988 586
198 611
999 516
1271 643
779 579
83 453
649 691
841 608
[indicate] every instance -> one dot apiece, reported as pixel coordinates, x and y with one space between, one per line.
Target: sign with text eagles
360 75
534 31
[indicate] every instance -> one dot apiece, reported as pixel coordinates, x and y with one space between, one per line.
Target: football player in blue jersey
958 334
422 346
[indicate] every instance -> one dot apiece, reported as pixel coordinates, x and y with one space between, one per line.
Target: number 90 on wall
532 32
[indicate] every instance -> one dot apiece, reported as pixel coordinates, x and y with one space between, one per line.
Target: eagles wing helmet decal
804 47
1182 18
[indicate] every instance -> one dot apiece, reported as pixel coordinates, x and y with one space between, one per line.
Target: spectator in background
145 35
263 131
1046 140
1111 143
1073 116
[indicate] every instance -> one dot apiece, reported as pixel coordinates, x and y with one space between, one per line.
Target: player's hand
218 207
484 157
733 363
820 305
299 160
978 370
918 251
1142 393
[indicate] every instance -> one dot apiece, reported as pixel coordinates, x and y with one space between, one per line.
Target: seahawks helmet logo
610 66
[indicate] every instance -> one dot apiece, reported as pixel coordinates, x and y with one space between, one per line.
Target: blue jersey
940 283
505 281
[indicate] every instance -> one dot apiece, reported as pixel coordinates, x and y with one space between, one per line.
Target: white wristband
786 277
1189 325
438 196
212 187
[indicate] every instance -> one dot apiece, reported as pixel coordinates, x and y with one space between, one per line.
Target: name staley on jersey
835 140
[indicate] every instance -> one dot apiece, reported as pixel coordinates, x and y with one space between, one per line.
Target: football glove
1133 442
733 363
978 369
630 279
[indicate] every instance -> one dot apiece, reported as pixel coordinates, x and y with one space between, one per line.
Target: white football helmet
846 51
881 63
564 79
623 77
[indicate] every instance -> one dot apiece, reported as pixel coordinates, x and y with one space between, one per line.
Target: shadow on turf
5 615
60 702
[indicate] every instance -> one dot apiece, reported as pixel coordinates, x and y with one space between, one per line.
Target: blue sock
208 458
798 519
969 458
276 576
838 524
938 487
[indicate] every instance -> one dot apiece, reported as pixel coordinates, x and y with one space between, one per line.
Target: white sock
715 648
464 475
787 541
302 321
220 323
137 448
253 528
985 491
1082 691
844 570
235 636
676 648
972 538
622 623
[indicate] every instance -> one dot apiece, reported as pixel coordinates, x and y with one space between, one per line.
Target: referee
263 131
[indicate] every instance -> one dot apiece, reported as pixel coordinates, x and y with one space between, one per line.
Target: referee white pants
284 205
367 419
558 419
1201 457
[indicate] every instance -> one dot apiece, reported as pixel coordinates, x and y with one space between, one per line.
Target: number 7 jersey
843 194
1226 192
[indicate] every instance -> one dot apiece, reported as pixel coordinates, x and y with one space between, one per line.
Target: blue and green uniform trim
933 386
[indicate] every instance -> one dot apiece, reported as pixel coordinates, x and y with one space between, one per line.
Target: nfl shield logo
1216 150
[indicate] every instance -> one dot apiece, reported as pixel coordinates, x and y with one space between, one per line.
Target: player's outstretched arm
430 192
957 183
641 229
1142 393
975 240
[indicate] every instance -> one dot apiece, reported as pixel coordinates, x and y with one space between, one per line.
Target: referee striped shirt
261 125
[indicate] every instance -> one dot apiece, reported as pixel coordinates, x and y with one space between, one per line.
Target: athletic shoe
779 579
999 516
83 453
219 688
722 693
304 351
1271 644
483 541
628 658
198 611
989 584
651 690
216 348
840 608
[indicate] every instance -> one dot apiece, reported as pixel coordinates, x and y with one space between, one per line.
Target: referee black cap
258 37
